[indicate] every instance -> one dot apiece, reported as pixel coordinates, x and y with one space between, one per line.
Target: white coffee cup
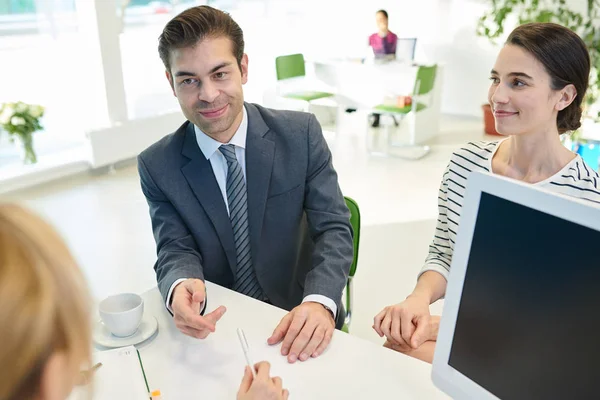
122 313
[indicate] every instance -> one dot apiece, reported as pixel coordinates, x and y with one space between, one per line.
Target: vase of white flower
21 120
26 150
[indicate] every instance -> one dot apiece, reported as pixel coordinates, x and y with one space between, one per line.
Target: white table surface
351 368
363 86
366 85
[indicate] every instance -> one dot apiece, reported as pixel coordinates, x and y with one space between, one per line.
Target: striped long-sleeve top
576 179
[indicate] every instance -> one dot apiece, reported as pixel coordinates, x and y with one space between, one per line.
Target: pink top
383 45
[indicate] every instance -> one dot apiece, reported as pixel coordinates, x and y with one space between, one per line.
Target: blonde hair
44 306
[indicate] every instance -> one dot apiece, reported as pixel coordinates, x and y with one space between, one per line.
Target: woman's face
521 95
382 22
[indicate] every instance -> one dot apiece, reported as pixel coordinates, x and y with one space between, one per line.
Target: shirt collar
208 145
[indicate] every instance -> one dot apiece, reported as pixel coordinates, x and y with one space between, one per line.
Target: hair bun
569 119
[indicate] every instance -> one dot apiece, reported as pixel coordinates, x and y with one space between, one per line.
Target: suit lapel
200 176
260 153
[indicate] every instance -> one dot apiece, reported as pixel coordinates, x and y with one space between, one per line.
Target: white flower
6 115
16 121
36 111
21 107
7 112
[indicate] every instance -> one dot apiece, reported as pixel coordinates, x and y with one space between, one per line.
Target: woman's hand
263 387
407 325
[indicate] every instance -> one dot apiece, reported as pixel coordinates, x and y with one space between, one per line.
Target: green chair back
425 80
290 66
355 222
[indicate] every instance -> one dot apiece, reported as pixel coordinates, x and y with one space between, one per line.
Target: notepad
120 377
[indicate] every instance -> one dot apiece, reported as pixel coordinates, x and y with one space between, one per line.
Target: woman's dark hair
565 58
194 25
385 14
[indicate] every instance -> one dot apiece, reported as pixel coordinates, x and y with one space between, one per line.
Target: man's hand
263 387
306 332
188 299
407 325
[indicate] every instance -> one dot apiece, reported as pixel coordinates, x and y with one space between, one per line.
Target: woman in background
383 43
45 329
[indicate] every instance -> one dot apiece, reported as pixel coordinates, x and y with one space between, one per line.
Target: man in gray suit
243 196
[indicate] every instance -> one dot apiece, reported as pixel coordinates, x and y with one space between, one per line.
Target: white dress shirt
210 149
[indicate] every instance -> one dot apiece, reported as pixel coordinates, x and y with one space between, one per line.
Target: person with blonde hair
44 320
45 329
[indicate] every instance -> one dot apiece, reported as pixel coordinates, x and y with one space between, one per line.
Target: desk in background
364 85
351 368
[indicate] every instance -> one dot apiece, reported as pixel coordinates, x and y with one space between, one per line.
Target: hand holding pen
257 383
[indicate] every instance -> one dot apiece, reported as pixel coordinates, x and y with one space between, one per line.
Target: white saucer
103 337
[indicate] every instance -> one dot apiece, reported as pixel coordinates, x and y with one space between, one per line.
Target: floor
104 218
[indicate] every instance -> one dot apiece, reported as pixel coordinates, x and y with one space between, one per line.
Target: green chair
424 84
290 67
355 222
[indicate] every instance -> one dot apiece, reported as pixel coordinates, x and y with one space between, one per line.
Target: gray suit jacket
300 234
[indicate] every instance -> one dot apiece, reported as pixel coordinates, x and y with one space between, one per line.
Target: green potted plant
503 12
20 121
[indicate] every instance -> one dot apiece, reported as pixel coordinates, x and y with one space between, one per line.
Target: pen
86 376
246 349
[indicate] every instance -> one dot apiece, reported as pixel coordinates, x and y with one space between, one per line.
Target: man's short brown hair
196 24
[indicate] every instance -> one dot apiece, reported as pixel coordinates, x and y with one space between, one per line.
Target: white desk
364 86
351 368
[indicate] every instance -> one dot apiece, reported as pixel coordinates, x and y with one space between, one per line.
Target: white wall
468 59
450 39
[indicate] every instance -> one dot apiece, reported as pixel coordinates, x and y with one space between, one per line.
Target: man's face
207 81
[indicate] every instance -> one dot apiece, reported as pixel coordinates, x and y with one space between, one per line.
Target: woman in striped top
536 92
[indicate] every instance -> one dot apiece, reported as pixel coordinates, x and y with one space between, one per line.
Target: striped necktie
245 277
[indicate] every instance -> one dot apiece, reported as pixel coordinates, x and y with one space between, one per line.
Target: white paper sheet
119 378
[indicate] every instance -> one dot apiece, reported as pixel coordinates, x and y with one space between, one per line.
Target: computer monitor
405 49
521 315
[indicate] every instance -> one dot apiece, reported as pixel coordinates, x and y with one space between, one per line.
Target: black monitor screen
528 322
